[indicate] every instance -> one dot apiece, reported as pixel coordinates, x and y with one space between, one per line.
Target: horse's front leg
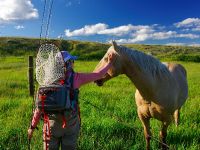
146 124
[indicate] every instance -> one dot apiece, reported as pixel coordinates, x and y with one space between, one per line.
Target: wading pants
66 138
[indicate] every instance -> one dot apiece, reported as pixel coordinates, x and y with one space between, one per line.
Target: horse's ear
114 44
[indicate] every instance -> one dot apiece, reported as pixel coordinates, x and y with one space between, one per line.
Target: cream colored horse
161 88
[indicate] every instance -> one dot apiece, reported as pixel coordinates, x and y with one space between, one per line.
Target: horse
161 88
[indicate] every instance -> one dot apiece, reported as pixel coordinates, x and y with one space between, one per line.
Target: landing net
49 64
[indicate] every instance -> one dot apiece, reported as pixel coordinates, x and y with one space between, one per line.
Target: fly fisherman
66 135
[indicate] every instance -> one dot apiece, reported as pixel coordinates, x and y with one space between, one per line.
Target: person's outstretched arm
84 78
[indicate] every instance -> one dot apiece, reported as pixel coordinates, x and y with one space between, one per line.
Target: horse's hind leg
177 117
163 135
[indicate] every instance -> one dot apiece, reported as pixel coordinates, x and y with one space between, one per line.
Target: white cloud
153 35
196 28
17 10
189 22
163 35
61 36
103 29
138 33
133 33
86 30
176 44
118 31
18 27
184 44
122 30
195 44
190 36
145 34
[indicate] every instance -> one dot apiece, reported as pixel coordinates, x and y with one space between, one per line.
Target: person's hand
111 57
30 133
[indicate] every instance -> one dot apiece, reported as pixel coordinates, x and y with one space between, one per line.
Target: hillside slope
94 51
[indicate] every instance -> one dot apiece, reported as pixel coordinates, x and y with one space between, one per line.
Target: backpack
58 97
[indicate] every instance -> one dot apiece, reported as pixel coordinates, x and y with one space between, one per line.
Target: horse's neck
130 67
142 82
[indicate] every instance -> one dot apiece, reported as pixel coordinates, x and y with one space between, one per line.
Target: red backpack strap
46 128
64 121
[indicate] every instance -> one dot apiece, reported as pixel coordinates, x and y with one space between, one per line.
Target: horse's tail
183 96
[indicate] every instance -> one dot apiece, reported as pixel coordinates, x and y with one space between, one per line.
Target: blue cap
67 56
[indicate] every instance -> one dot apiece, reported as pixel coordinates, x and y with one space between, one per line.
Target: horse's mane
147 63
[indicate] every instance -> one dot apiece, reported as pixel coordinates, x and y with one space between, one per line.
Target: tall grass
110 124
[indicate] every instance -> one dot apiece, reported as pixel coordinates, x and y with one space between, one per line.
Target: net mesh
50 65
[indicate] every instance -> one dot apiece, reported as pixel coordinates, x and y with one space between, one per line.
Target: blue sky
168 22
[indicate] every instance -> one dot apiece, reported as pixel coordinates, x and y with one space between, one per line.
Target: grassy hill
95 51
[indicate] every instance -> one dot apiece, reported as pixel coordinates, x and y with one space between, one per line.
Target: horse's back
180 75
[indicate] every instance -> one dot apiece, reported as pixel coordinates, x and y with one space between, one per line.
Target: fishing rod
47 13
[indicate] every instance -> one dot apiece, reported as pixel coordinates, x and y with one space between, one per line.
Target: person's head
68 59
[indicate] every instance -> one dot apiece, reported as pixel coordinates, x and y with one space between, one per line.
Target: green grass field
114 125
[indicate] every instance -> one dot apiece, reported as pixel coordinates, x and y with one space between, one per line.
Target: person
67 137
